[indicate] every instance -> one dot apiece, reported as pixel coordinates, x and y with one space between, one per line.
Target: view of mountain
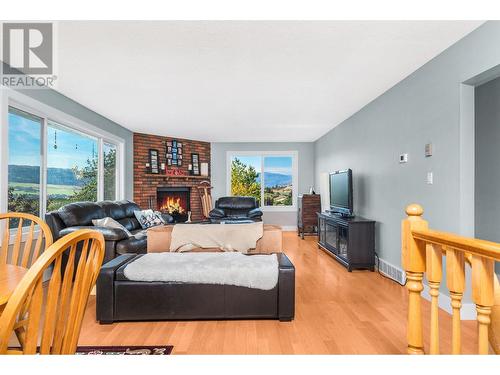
276 179
66 176
31 174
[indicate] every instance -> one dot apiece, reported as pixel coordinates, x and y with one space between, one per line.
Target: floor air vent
391 271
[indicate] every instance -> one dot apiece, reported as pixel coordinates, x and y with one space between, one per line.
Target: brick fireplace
148 185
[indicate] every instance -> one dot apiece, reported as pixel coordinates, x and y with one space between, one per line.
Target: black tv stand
350 240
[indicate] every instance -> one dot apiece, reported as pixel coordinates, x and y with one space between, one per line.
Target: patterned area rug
124 350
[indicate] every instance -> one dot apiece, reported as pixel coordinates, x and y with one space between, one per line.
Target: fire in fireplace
174 201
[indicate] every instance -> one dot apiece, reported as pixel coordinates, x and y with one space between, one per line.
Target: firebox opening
174 201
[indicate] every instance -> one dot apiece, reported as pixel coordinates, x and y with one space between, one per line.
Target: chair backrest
25 249
55 324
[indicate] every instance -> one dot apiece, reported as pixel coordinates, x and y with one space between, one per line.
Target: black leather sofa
235 210
120 299
79 215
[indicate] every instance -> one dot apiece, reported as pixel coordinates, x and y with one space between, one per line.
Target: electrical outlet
430 178
403 158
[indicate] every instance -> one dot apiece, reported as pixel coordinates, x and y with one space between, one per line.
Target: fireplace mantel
167 177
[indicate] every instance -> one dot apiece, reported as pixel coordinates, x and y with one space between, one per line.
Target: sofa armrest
286 288
254 213
217 213
105 288
110 234
55 224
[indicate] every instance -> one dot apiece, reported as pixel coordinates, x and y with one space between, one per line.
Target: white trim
289 228
467 160
467 312
4 151
295 175
100 170
43 166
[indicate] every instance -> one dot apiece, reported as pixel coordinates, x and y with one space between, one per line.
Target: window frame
295 176
11 98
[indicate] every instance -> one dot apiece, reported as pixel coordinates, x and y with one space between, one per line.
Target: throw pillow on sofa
109 222
148 218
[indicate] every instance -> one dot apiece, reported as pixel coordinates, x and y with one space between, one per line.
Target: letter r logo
27 47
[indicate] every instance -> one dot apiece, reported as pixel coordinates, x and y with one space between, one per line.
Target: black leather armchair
75 216
235 210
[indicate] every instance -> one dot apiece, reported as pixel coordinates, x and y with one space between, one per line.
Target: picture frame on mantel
195 162
154 166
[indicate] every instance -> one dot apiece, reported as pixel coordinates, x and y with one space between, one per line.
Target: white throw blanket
251 271
227 237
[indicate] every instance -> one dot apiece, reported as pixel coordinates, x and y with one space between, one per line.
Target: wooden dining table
10 277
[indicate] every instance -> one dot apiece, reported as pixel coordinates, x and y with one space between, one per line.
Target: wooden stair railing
422 252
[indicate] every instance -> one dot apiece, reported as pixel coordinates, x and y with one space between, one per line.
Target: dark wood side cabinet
308 205
351 240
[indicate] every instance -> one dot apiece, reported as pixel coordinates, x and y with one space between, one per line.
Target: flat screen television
341 192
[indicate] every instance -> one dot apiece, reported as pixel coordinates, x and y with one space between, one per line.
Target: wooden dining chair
48 318
25 249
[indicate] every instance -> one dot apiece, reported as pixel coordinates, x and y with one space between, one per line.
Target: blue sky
273 164
24 145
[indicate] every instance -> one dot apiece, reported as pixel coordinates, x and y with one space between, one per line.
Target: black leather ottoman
119 299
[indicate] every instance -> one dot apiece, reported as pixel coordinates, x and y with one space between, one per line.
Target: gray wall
305 171
424 107
487 158
73 108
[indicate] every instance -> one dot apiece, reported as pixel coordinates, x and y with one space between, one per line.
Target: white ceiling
241 80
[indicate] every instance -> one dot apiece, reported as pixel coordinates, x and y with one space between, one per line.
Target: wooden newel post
413 260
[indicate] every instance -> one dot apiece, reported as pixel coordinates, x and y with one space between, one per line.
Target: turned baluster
434 271
413 260
483 297
455 281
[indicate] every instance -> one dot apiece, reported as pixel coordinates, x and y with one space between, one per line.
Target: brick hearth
146 184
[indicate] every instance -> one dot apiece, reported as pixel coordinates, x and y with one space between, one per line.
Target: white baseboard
467 312
289 228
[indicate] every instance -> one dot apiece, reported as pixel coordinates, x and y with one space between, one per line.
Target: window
109 156
24 175
269 177
245 176
71 167
51 164
278 180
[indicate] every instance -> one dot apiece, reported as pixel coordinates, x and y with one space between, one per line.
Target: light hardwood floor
336 312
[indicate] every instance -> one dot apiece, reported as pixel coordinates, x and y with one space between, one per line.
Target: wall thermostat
403 158
428 150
